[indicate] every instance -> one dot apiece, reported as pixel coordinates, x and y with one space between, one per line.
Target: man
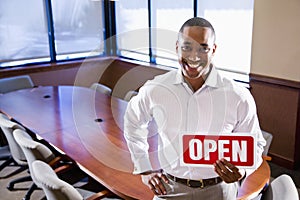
194 99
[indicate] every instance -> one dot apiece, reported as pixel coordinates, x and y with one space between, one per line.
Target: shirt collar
212 79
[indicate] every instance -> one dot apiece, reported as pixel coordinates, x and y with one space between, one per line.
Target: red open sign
239 149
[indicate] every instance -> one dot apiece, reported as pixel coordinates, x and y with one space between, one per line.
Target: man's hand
154 180
227 171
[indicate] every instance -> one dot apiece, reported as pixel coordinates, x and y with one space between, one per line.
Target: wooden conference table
87 126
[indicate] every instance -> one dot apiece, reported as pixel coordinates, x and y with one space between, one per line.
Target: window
23 32
132 28
78 30
231 19
167 16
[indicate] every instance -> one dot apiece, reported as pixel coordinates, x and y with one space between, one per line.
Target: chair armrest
63 168
267 158
100 195
62 163
62 159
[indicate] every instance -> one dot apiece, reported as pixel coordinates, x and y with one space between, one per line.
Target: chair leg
9 161
11 184
30 191
4 157
20 169
6 163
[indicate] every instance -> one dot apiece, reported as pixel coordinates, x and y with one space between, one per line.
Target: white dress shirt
219 106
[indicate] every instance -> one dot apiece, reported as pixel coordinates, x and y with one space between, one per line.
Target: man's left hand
227 171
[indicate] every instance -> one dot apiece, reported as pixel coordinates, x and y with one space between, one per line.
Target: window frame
110 45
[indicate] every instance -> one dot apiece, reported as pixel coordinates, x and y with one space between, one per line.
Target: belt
196 183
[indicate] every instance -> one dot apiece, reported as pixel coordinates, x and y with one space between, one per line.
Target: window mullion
51 37
195 8
110 27
152 58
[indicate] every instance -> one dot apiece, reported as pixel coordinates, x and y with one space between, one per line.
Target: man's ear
214 49
177 46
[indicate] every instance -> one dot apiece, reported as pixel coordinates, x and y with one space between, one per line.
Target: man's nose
194 56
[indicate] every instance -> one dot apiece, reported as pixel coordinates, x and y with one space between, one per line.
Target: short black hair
198 21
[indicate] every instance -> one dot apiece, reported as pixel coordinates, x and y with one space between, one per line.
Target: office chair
281 188
15 83
34 150
5 154
268 137
17 156
130 94
57 189
101 88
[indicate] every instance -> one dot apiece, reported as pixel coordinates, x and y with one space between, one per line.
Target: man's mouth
192 64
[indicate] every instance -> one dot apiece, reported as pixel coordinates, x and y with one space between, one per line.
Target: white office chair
281 188
101 88
268 137
130 94
15 83
5 154
57 189
34 150
17 155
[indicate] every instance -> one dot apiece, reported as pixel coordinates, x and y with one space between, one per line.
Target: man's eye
204 49
186 48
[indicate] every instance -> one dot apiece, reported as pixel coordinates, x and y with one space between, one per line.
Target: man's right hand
154 180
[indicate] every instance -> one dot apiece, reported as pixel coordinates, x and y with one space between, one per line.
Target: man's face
195 49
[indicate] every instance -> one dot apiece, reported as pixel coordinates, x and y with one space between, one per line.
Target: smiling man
194 99
195 48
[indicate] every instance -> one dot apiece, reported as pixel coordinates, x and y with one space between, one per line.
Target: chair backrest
281 188
101 88
268 137
33 150
130 94
8 127
54 188
15 83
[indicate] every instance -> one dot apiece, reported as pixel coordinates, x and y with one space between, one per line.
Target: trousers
220 191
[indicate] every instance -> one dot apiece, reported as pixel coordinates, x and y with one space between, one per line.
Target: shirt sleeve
136 119
248 122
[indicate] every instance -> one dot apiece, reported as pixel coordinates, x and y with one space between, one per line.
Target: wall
275 76
276 41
